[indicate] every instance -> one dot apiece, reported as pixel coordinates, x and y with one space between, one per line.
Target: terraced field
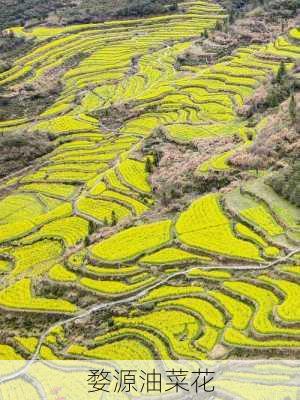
217 280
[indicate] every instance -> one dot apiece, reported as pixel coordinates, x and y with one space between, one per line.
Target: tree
114 219
218 26
173 193
148 166
293 108
164 199
231 17
226 27
155 158
295 196
205 34
249 135
174 7
281 73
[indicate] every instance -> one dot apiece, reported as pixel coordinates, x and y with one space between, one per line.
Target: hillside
63 12
157 183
